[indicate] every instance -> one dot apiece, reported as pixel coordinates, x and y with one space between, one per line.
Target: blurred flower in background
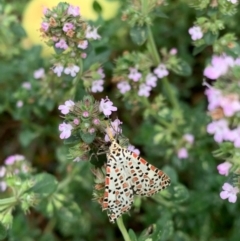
32 17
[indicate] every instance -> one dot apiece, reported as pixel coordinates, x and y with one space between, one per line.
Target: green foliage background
190 210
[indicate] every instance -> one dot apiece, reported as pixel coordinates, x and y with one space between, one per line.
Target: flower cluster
83 121
133 73
13 165
224 108
220 66
64 29
186 142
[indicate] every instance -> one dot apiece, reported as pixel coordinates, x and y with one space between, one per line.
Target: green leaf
163 230
234 52
183 68
45 184
73 139
210 38
3 232
159 13
179 193
97 7
87 137
139 34
171 173
199 49
27 136
132 235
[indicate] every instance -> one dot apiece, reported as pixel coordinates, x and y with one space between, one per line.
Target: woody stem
123 230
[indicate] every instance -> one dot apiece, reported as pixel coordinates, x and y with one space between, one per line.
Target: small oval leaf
45 184
3 232
139 34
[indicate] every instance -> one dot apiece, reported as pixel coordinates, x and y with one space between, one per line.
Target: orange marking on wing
151 182
105 194
153 168
135 179
125 185
121 177
105 205
107 181
160 173
139 186
165 178
132 171
134 155
127 194
124 209
151 192
143 161
108 170
116 170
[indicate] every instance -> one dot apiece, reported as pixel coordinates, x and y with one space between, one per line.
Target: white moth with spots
127 174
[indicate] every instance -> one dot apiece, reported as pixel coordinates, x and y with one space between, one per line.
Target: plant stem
123 230
156 59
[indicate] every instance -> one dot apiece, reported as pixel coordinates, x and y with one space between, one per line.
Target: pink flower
161 71
195 32
123 87
230 105
91 130
223 168
233 1
134 74
66 107
114 129
2 171
91 33
219 66
106 106
19 104
66 130
27 85
73 11
144 90
39 73
96 122
97 86
83 55
12 159
68 26
100 71
85 114
173 51
72 70
151 80
3 186
214 96
133 149
61 44
44 26
182 153
83 44
229 192
58 69
76 121
219 128
189 138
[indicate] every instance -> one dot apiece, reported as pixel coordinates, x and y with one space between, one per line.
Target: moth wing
118 195
146 179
